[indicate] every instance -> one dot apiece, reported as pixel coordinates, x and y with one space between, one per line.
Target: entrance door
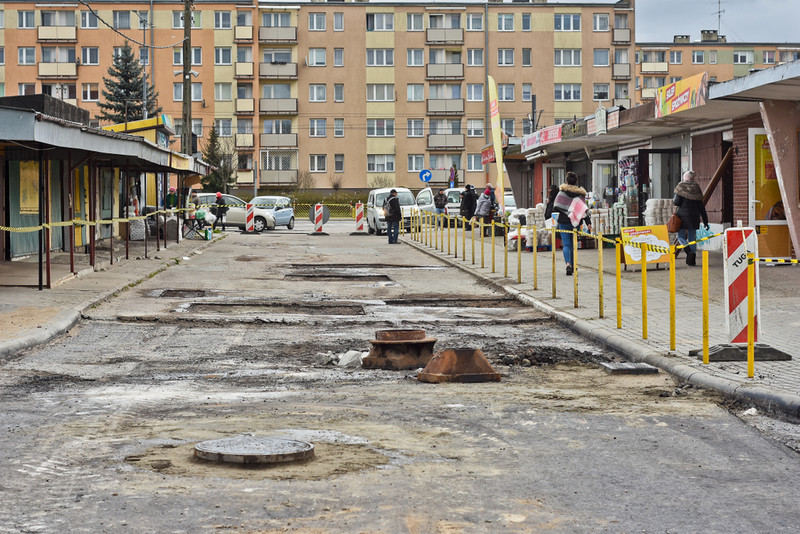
553 175
766 211
604 175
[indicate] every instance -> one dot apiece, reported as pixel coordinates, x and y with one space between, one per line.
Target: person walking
483 209
468 204
392 213
572 210
440 203
690 208
221 209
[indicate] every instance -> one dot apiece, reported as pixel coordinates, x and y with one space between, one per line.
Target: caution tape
83 222
776 260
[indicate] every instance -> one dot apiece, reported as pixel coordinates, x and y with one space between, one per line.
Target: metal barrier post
618 259
492 230
575 267
436 233
535 258
705 308
644 290
402 225
672 296
553 250
601 303
519 253
751 327
472 234
482 256
455 239
463 239
447 218
441 241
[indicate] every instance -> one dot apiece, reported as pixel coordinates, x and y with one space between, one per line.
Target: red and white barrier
248 220
359 217
318 217
738 243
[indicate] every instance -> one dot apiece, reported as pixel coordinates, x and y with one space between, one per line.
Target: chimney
709 36
680 39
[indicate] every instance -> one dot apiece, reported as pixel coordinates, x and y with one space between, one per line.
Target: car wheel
291 224
259 223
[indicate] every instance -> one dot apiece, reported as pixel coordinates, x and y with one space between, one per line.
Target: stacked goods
535 216
618 218
658 211
601 221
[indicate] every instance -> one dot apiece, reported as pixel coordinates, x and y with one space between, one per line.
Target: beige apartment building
348 93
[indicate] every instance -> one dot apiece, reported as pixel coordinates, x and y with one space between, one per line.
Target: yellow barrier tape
776 260
21 229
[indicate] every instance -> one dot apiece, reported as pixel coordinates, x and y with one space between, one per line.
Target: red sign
487 155
545 136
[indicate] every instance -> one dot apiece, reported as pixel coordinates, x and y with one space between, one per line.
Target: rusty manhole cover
183 293
246 449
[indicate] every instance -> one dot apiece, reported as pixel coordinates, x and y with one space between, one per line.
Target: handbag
674 223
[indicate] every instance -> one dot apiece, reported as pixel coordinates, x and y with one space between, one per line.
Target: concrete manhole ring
246 449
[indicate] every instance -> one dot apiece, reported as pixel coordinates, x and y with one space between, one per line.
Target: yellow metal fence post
482 256
553 254
447 218
519 253
751 327
491 228
672 297
705 308
600 275
455 238
534 249
644 290
618 260
575 268
472 235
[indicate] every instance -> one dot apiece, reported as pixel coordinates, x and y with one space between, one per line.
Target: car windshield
509 201
263 202
404 197
454 196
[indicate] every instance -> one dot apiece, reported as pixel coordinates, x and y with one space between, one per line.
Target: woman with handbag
572 211
689 207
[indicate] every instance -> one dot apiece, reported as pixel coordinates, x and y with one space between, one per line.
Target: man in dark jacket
220 209
468 203
689 207
440 203
392 213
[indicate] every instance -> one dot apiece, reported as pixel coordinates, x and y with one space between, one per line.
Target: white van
376 222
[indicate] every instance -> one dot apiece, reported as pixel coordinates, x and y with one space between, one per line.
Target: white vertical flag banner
497 141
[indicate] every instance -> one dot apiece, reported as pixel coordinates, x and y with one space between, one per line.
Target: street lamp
144 22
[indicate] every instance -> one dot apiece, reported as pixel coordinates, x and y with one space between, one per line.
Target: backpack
387 208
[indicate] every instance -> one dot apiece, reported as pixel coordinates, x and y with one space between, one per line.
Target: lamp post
144 22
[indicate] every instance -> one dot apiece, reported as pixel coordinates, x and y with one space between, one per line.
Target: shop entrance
659 182
553 175
766 212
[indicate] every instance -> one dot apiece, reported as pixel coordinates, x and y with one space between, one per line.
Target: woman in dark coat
551 198
689 207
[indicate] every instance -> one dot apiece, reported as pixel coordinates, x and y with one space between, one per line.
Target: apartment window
117 52
338 22
475 128
601 91
742 57
380 22
673 79
222 91
197 55
90 92
244 54
474 92
2 55
338 127
474 162
2 25
475 57
505 57
380 57
621 21
380 128
224 127
444 91
445 161
416 162
58 18
338 163
281 126
338 57
317 127
88 20
526 22
601 57
244 18
475 22
654 56
316 57
788 55
600 22
316 22
527 126
245 162
177 19
567 57
505 92
505 22
26 89
621 55
122 20
698 57
244 90
90 55
222 20
769 57
567 23
414 22
318 163
414 57
712 57
654 82
222 55
567 91
380 92
380 162
416 128
621 90
526 57
276 90
26 55
25 19
197 91
527 92
507 126
675 57
144 56
415 92
317 92
440 20
338 92
276 20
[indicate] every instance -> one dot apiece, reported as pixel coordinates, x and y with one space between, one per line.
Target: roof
776 83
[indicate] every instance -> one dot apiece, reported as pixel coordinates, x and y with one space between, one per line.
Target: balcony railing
445 106
243 33
277 34
444 35
278 106
445 70
243 70
245 105
442 176
278 177
278 70
58 70
660 67
445 141
624 102
649 93
244 176
244 140
278 140
621 35
57 33
620 71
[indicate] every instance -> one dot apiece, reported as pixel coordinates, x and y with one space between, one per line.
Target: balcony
277 34
621 71
621 36
624 102
660 67
441 71
444 36
243 33
288 140
243 70
445 106
245 105
648 93
445 141
278 177
278 106
245 176
57 33
58 70
285 71
244 140
442 176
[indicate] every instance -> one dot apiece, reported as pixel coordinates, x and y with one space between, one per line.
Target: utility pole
186 138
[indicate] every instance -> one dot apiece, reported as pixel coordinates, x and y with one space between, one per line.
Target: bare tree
379 181
305 181
336 182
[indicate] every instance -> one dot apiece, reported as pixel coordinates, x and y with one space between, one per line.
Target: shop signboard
574 129
684 94
487 155
545 136
652 235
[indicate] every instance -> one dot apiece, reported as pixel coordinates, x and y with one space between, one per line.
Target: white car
237 210
425 200
376 222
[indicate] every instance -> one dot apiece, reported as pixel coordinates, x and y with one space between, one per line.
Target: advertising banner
652 235
545 136
684 94
497 140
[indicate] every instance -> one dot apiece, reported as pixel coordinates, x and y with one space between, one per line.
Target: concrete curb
768 400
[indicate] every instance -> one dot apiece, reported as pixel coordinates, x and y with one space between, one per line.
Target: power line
127 38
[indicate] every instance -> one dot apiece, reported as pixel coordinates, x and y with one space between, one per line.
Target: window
416 128
505 22
621 21
445 161
505 92
621 90
505 57
527 92
197 127
601 57
90 92
527 126
416 162
414 22
58 18
567 57
88 20
567 91
317 92
338 163
117 52
380 22
444 91
440 56
222 91
244 54
338 92
675 57
197 91
144 56
380 162
278 126
769 57
742 57
276 20
788 55
338 127
244 18
507 126
712 57
222 55
90 55
26 89
475 22
276 90
698 57
415 92
380 57
2 25
25 19
338 57
621 55
224 127
673 79
222 20
474 92
317 127
526 57
338 22
600 22
244 90
197 55
654 82
526 22
567 23
244 126
474 162
245 162
475 128
380 127
2 55
601 91
440 20
316 57
122 20
318 163
414 57
316 22
475 57
177 19
26 55
654 56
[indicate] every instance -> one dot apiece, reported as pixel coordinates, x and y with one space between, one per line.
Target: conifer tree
122 93
219 154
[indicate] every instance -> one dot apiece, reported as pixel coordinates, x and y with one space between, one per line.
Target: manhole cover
183 293
277 308
253 450
337 277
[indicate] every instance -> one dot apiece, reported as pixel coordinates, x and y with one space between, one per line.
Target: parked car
508 202
376 222
453 208
235 216
280 208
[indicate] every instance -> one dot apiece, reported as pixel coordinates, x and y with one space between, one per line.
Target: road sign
326 214
738 242
425 175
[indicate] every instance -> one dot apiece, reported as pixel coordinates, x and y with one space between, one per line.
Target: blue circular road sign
425 175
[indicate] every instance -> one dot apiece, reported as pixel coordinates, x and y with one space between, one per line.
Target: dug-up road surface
98 427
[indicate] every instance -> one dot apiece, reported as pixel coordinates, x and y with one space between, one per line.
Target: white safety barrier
318 217
359 217
249 220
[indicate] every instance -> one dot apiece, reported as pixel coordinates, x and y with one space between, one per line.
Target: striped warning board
248 222
359 217
737 244
318 217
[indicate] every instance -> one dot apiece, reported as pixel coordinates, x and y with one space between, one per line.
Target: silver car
280 208
237 212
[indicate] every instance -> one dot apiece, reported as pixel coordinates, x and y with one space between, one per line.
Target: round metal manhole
253 450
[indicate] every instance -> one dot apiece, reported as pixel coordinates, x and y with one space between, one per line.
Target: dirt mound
540 356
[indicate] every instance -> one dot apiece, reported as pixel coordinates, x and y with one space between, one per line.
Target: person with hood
483 208
689 207
571 209
468 203
392 213
221 209
440 203
172 199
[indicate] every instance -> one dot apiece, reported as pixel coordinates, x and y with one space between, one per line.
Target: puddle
182 293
